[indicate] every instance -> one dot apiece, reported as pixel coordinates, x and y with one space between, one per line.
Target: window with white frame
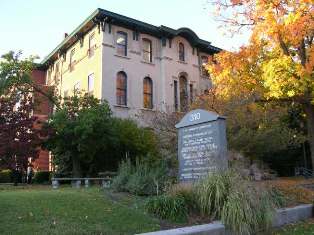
147 50
122 43
91 84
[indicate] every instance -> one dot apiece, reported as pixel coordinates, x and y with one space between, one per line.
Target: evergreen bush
5 176
170 207
41 177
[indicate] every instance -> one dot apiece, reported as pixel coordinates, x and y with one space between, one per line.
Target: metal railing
302 171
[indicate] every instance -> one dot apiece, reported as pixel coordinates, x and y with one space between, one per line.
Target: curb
283 216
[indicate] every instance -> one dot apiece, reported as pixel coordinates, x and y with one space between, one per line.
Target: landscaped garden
230 169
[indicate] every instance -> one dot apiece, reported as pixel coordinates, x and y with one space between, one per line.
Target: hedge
5 176
41 177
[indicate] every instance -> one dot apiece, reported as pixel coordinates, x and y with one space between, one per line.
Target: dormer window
181 52
147 50
122 43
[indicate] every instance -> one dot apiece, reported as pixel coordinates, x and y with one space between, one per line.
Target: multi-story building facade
135 66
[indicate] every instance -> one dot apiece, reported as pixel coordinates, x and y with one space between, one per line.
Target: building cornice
101 17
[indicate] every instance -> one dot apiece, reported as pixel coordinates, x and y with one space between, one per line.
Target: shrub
124 171
41 177
240 205
141 179
168 207
278 197
187 192
213 192
5 176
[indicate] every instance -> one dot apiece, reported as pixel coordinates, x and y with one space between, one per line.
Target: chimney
65 35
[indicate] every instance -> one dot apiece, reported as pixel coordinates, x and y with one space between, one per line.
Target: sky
37 26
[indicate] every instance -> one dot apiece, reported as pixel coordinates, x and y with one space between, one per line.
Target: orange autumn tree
277 63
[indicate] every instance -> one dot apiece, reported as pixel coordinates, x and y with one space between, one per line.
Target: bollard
55 184
86 183
105 183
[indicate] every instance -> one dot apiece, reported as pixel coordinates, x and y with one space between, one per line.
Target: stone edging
283 216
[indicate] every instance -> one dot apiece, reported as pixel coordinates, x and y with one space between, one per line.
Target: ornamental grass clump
213 192
241 206
169 207
143 178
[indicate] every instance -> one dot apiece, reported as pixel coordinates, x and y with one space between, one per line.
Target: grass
42 210
303 228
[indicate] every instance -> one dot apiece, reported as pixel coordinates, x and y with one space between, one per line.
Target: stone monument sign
202 144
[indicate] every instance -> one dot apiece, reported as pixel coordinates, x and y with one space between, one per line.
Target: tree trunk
76 167
309 110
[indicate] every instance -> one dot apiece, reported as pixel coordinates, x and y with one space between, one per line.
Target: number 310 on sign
195 116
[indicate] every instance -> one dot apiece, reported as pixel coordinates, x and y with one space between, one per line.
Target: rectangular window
122 43
72 61
91 84
191 94
92 44
147 50
175 92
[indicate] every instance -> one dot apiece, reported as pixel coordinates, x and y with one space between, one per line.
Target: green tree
84 138
16 73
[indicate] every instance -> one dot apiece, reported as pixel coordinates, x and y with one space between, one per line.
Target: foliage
41 177
19 138
213 193
5 176
163 125
241 206
144 178
168 207
16 73
85 139
187 192
277 63
125 170
259 130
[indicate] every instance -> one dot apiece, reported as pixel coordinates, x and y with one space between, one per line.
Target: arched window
122 43
183 83
147 50
148 93
181 52
204 62
121 88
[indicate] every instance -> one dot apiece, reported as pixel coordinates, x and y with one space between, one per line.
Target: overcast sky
37 26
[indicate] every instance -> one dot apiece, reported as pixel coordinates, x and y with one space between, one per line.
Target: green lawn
42 210
303 228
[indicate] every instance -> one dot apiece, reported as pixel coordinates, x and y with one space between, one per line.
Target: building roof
101 16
